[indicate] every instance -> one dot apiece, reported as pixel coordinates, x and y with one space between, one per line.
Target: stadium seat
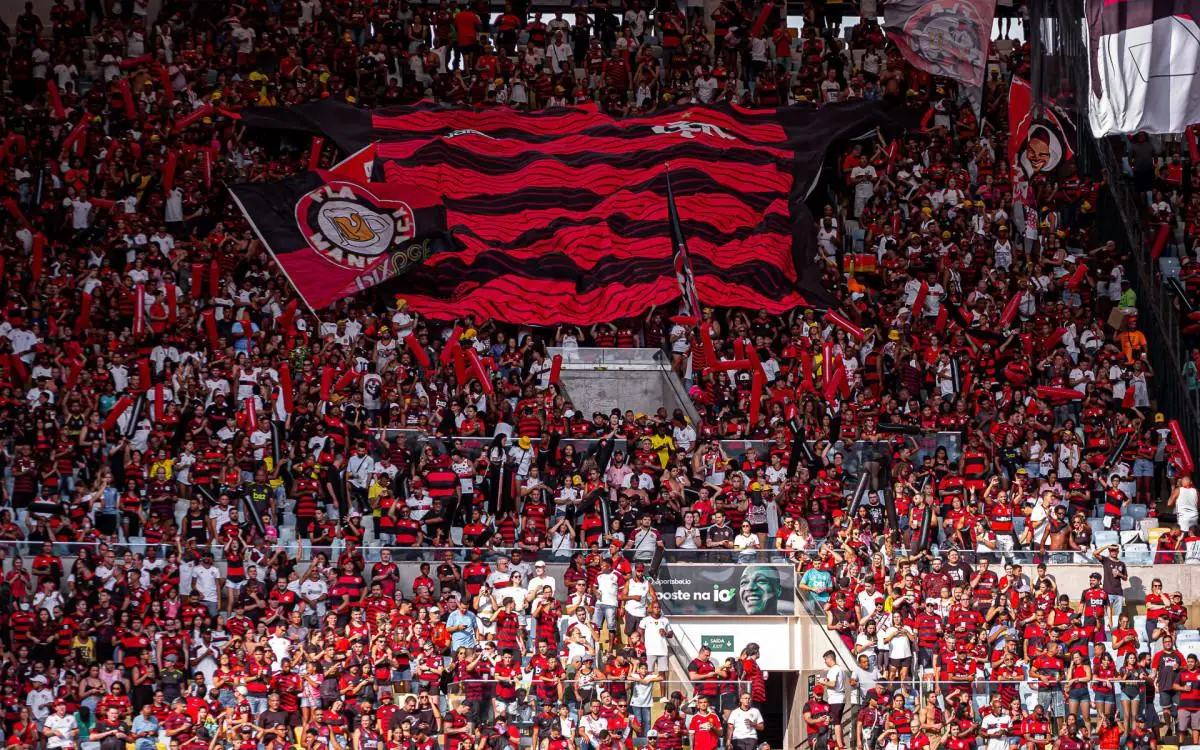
1169 267
1136 512
1105 537
1187 649
1187 636
1154 533
1137 554
1139 624
1132 537
1128 524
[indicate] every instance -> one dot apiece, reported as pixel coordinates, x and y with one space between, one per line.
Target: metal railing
1132 554
595 356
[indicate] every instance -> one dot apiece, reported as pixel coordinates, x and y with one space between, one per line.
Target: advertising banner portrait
726 589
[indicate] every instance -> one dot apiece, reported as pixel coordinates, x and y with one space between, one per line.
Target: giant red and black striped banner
562 215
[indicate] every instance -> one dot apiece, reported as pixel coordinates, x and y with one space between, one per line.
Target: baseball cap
652 734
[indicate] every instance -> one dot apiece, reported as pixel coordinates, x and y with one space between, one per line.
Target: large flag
1145 65
683 262
334 236
943 37
1038 142
563 213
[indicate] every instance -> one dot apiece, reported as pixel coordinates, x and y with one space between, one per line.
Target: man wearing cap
40 698
59 728
1115 574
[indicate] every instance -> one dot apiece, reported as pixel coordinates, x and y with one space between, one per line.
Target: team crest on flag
334 236
352 227
943 37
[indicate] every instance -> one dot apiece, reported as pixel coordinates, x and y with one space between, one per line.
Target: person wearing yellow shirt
662 443
1132 342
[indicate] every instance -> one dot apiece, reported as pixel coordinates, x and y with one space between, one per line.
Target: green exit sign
718 643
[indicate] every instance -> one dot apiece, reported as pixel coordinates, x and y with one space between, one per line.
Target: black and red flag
942 37
335 236
683 263
1144 65
564 216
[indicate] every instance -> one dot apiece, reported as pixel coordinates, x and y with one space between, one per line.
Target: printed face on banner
1043 150
350 226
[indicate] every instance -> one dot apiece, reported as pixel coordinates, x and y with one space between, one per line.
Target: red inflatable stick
139 309
169 171
214 279
1185 453
118 409
722 365
251 414
84 321
127 99
346 380
939 324
210 326
326 382
134 62
555 369
206 166
248 330
1053 393
164 79
197 279
285 386
827 363
418 351
73 374
1010 310
287 317
739 348
478 370
687 321
56 104
710 351
919 301
758 381
452 346
834 318
835 384
172 304
184 122
1055 338
75 134
144 374
1160 240
1077 276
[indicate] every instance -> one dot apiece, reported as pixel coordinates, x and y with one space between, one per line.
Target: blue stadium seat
1136 512
1136 554
1105 537
1169 267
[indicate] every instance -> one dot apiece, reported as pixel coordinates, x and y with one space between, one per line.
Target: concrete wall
605 390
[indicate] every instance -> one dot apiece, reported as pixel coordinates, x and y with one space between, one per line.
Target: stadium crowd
149 597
